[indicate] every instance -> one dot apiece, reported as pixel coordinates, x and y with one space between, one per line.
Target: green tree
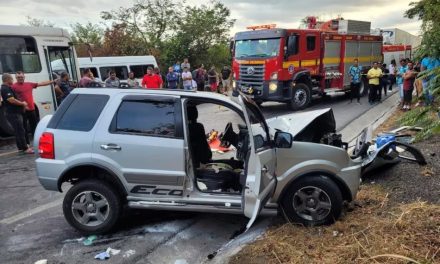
429 12
202 34
153 21
87 38
87 34
118 41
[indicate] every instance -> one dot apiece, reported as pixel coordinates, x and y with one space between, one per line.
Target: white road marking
36 210
8 153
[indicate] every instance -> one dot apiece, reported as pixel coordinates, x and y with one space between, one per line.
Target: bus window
140 70
19 54
121 72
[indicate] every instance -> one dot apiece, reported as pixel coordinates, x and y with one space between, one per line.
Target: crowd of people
179 76
381 78
18 101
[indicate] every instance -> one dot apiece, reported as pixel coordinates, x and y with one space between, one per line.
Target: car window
82 113
148 118
140 70
92 69
258 125
121 72
311 42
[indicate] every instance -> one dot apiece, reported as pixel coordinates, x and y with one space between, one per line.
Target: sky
285 13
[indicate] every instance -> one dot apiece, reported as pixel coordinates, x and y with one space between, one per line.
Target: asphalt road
32 226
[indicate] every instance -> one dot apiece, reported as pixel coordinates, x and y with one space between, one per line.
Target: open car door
260 162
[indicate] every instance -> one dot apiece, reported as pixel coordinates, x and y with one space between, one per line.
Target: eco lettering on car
145 189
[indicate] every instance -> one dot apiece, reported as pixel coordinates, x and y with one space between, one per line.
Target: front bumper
264 91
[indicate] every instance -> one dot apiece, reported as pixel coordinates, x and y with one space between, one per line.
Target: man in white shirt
187 79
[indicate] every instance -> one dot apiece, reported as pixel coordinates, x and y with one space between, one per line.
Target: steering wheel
229 136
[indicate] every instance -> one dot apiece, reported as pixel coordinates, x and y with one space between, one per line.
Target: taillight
46 147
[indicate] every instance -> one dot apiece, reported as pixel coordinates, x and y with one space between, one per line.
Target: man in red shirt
151 80
23 90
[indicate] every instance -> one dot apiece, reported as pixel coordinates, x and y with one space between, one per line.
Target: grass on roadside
376 232
425 117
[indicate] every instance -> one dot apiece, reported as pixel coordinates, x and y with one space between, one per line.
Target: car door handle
111 147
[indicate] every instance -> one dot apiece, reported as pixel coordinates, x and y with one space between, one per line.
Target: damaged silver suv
148 149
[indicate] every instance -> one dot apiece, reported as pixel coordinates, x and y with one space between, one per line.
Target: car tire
301 97
92 207
312 201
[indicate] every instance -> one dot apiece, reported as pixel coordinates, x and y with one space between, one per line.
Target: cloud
288 13
285 13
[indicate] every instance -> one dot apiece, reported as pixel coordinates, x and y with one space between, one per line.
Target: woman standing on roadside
408 86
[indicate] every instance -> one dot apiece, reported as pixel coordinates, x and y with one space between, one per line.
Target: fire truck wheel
301 97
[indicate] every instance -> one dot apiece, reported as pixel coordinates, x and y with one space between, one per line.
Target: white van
101 66
122 65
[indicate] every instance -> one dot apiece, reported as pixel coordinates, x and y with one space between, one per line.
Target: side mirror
283 140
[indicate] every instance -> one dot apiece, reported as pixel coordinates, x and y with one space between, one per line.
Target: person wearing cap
151 80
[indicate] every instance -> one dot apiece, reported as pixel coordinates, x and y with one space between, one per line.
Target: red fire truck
291 65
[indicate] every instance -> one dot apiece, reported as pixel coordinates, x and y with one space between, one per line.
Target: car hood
308 126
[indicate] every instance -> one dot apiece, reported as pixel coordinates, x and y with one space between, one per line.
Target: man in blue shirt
172 78
356 78
428 64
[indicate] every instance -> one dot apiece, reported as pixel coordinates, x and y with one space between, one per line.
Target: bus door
65 57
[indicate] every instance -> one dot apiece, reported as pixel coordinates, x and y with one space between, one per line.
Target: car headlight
273 86
274 76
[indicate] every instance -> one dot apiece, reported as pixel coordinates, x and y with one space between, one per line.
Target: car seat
223 179
200 150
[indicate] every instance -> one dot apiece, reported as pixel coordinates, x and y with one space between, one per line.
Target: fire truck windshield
257 48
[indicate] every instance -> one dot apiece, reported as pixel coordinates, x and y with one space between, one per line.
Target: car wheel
301 97
312 201
92 207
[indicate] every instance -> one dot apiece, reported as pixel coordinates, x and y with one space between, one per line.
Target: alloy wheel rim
90 208
312 203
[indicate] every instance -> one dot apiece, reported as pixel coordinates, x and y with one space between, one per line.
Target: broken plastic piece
89 241
129 253
103 256
41 261
113 251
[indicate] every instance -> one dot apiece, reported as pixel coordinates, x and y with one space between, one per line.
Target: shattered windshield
260 48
